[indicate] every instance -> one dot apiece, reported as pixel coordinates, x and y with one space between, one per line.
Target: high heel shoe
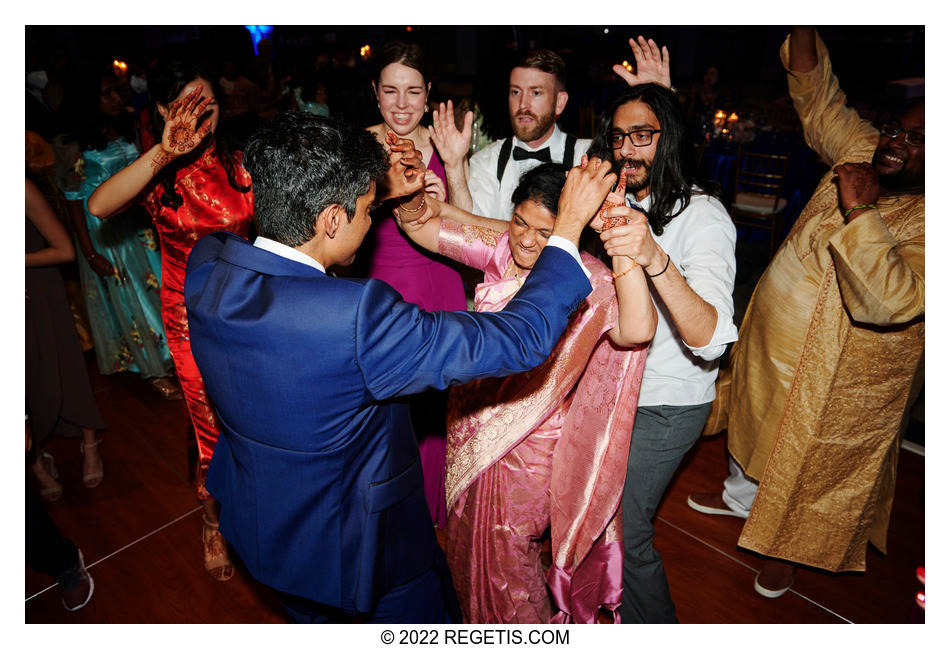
217 561
94 478
50 493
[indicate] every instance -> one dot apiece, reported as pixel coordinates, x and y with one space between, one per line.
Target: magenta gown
434 286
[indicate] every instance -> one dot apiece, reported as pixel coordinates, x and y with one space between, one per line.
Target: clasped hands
624 230
408 181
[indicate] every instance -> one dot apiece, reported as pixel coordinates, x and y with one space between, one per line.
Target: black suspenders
505 154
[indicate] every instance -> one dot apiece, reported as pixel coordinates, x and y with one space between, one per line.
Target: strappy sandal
217 561
50 493
93 479
166 387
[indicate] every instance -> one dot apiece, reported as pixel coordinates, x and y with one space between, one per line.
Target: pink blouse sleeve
471 245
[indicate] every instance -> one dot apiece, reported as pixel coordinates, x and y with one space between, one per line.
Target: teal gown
125 308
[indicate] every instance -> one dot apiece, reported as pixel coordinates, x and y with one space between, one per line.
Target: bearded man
683 238
830 353
537 96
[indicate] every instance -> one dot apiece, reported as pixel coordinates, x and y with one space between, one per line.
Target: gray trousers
662 435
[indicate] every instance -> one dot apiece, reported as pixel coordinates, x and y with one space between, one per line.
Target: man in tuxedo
537 95
317 469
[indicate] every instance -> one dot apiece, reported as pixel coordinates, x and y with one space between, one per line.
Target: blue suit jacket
317 467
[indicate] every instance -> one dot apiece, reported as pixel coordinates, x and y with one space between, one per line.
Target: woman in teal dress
120 262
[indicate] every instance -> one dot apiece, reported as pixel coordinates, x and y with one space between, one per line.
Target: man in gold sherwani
830 352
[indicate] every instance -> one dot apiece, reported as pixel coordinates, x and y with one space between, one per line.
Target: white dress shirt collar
287 252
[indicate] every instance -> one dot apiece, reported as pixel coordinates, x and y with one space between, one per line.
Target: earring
426 109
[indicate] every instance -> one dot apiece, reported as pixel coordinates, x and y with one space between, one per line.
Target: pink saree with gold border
543 449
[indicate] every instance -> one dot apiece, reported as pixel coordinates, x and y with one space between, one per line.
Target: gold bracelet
619 275
405 209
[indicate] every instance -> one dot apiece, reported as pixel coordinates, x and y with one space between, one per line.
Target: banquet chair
757 192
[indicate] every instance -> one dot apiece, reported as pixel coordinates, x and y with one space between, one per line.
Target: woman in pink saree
547 448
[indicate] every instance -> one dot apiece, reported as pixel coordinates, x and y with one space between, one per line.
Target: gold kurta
829 356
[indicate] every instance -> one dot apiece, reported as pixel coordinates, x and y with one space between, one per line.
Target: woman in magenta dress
402 90
192 185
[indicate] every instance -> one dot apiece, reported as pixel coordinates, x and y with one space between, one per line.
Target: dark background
472 61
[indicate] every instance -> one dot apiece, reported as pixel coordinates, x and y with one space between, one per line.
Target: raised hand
405 153
406 173
616 198
451 143
182 133
652 64
584 191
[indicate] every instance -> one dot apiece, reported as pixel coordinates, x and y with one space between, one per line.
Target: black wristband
664 268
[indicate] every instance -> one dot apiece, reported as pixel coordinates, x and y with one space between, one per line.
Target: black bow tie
542 155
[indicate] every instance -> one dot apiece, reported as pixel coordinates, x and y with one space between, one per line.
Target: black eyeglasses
913 138
637 137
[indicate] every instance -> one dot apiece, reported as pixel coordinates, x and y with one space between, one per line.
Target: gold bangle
405 209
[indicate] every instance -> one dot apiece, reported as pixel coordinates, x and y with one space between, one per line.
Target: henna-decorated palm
182 133
584 189
616 198
409 157
653 64
451 143
406 172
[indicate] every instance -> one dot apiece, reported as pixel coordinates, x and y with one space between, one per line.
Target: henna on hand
160 159
616 198
179 137
857 184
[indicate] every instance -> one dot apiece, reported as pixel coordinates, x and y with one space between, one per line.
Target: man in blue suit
317 469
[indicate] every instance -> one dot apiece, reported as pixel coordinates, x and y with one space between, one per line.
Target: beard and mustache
533 131
638 173
899 181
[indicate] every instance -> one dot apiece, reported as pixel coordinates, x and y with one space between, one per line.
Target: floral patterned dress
210 204
125 308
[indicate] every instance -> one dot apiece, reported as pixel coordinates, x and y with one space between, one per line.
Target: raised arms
181 136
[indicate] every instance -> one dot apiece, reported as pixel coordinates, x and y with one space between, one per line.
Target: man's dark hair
301 164
543 185
545 61
672 177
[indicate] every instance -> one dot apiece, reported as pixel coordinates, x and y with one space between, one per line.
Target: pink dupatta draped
595 385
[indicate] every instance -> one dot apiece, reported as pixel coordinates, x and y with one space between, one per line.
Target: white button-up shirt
488 199
701 241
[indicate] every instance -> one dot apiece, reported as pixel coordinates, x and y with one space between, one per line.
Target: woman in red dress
192 185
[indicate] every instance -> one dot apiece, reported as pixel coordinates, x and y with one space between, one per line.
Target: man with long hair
685 241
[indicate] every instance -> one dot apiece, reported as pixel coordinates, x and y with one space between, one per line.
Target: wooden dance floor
140 530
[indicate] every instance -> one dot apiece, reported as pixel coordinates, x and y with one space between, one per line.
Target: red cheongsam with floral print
210 204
